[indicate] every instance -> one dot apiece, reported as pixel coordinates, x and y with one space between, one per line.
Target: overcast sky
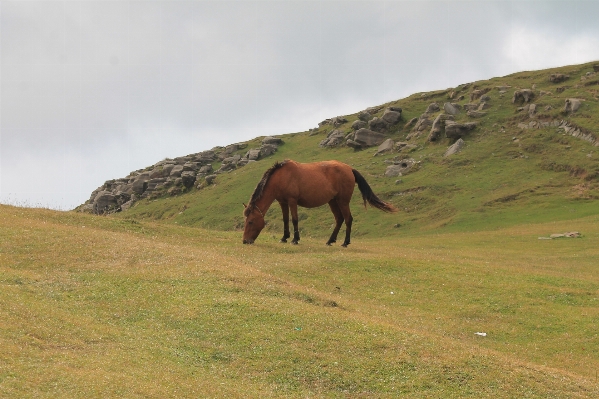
92 90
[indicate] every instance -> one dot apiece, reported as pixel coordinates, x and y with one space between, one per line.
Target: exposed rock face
454 148
451 109
423 123
104 202
358 124
558 77
572 105
176 171
253 154
438 126
368 138
476 94
471 106
456 130
432 108
210 179
522 96
391 117
188 178
378 125
272 140
333 139
365 116
386 147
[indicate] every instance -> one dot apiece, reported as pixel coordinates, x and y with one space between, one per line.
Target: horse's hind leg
285 210
338 220
344 207
294 220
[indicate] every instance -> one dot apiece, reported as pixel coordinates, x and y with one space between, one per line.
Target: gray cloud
93 90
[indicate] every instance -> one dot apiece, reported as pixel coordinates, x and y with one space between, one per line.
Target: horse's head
254 223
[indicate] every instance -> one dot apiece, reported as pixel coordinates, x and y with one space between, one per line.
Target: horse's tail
371 197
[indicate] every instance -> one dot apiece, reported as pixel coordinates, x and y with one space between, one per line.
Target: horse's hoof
345 244
294 242
283 240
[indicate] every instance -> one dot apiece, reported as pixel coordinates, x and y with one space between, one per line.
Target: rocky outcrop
334 139
558 77
522 96
171 176
455 130
476 94
572 105
364 138
432 108
378 125
385 147
454 148
452 109
392 117
358 124
438 126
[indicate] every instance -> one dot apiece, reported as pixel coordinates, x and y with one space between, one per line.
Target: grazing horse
309 185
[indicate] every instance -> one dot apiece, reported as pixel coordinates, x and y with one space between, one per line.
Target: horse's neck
265 202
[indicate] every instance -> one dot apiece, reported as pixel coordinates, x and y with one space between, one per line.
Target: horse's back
315 184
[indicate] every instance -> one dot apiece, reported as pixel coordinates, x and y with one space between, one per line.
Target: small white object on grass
482 334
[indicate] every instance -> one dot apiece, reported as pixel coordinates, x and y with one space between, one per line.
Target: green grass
138 309
163 300
503 177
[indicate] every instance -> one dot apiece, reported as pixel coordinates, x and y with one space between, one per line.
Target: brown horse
309 185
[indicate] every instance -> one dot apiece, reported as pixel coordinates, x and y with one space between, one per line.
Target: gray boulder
189 166
104 202
358 124
206 169
451 109
385 147
365 116
454 148
432 108
210 179
378 125
252 155
391 117
334 139
176 171
558 77
369 138
438 126
455 130
572 105
522 96
267 149
272 140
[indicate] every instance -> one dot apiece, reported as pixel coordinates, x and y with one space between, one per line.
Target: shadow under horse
309 185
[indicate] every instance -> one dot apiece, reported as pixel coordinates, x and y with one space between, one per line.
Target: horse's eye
251 222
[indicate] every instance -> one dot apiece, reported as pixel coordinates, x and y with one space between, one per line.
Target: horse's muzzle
248 241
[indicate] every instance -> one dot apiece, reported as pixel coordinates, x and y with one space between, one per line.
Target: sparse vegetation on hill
525 156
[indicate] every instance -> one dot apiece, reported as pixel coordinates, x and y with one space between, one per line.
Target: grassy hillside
106 307
505 175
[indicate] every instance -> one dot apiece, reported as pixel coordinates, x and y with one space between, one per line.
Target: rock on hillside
174 176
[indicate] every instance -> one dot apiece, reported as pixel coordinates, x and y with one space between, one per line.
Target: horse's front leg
285 210
294 220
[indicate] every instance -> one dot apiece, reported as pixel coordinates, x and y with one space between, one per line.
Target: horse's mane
257 194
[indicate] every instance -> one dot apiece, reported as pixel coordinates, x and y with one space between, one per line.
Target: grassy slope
102 307
495 181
